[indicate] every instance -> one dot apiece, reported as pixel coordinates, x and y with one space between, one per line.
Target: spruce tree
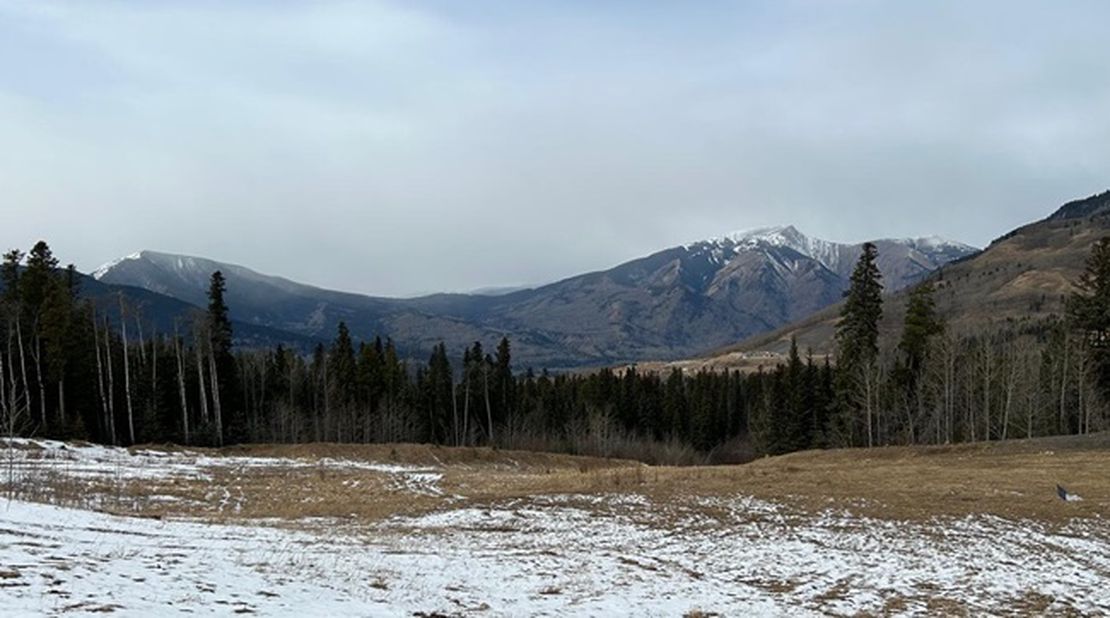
230 422
39 275
503 395
218 321
857 335
857 339
921 325
1088 311
342 370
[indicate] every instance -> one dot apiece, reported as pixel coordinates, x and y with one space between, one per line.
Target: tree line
71 368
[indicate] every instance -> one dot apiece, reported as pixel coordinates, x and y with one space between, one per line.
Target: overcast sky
403 147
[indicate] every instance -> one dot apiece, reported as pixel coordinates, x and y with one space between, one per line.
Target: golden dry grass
1015 480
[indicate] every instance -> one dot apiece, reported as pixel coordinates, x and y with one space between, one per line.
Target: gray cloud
397 147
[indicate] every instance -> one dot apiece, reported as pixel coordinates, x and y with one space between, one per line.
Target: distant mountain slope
666 305
160 313
1023 276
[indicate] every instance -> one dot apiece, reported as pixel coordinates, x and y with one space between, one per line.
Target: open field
398 530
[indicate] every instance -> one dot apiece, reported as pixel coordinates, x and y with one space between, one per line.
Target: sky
396 148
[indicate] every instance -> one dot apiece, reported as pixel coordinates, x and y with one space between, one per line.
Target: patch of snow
610 554
98 462
104 269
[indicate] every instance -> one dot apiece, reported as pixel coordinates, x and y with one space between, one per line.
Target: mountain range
1021 278
673 303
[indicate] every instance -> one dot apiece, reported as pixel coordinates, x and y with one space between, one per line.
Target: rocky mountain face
1023 277
673 303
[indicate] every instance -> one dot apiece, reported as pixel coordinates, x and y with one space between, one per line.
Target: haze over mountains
676 302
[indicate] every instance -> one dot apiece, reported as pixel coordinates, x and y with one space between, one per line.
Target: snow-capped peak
833 255
773 235
107 267
824 251
939 243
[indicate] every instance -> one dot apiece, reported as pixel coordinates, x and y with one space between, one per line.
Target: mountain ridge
677 301
1022 277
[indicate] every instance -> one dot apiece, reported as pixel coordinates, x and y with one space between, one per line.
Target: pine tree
342 379
857 335
57 320
39 276
503 394
440 384
342 368
229 420
1088 311
857 339
921 325
219 322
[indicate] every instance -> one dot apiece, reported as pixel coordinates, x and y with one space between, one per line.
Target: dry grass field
403 529
1013 479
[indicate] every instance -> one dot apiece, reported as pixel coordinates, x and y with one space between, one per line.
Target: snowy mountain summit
932 251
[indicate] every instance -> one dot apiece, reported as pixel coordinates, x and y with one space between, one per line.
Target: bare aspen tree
454 408
179 355
489 412
22 357
9 418
949 388
1083 391
327 400
215 394
111 380
13 409
256 416
868 376
1009 385
126 372
200 381
62 400
3 388
36 356
142 342
1031 405
154 375
986 372
292 397
970 404
466 406
100 373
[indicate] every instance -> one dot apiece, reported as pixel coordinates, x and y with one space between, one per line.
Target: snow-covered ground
48 463
593 555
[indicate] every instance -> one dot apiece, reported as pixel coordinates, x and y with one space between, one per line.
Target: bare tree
36 356
100 380
197 346
153 375
22 357
455 408
489 412
180 356
126 372
215 394
111 379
